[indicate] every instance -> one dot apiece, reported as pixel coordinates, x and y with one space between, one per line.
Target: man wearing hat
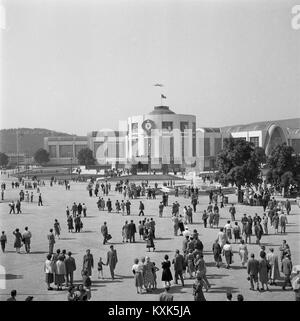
252 269
70 268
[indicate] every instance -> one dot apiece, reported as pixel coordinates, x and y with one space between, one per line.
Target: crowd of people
189 262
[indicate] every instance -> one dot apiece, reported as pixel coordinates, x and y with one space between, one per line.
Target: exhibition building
163 139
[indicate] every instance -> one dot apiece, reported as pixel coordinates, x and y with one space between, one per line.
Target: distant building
64 150
164 139
21 159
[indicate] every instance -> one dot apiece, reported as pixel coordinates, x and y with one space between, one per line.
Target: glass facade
167 126
194 140
255 141
134 128
206 146
66 151
218 145
78 148
52 151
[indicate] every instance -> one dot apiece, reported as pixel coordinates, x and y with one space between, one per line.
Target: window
121 149
255 141
134 128
167 125
134 146
78 148
183 126
66 151
218 145
206 146
295 143
52 151
239 138
194 139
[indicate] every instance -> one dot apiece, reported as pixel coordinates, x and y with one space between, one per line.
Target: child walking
100 268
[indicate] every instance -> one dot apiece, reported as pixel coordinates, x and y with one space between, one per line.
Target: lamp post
71 168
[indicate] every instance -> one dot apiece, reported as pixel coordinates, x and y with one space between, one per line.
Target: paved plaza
24 272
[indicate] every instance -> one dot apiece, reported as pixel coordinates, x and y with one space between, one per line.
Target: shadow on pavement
124 276
216 276
67 238
223 289
10 276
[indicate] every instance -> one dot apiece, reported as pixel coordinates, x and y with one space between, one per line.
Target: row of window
65 150
117 149
166 125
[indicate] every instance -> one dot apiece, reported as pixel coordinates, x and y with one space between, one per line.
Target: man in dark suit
131 231
104 231
252 270
127 205
70 268
179 267
112 261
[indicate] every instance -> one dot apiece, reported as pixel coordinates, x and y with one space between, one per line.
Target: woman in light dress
272 259
137 270
243 252
185 214
222 237
148 274
60 272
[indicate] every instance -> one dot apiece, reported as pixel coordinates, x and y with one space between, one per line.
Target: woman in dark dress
217 251
70 223
150 243
18 240
166 273
181 225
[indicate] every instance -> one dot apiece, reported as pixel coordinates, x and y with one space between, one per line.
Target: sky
77 66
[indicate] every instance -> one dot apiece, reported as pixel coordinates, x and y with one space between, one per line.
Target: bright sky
77 66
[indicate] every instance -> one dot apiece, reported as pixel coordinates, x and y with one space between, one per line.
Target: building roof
110 133
160 110
209 129
67 138
294 131
264 125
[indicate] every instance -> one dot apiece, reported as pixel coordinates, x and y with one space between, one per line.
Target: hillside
30 139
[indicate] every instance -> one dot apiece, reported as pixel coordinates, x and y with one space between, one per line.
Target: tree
41 156
3 159
85 157
283 167
239 163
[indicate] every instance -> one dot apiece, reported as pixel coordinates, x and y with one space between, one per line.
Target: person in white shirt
49 269
227 252
228 229
186 232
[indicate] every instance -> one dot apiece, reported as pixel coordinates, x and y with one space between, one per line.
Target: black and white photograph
150 151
